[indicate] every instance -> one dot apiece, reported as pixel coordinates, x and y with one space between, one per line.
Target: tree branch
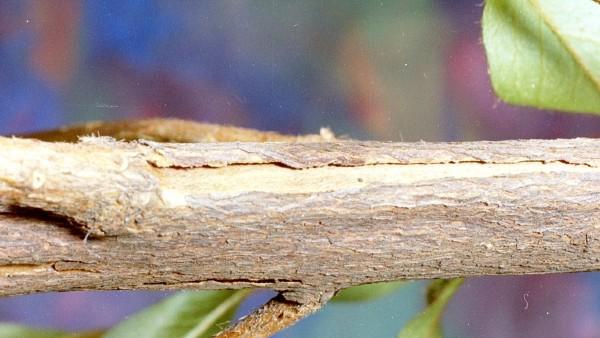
301 218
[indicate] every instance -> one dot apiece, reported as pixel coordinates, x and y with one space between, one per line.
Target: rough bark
302 218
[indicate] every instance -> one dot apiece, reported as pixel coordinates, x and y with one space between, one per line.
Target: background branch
171 130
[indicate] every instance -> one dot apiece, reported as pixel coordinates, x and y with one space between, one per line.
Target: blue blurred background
387 70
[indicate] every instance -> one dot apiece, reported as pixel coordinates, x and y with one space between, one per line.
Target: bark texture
302 218
305 219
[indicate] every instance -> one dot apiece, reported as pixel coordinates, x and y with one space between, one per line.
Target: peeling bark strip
232 215
302 155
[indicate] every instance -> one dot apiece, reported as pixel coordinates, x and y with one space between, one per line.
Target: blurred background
386 70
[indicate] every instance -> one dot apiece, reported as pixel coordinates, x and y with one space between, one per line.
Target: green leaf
544 53
367 292
427 323
18 331
187 314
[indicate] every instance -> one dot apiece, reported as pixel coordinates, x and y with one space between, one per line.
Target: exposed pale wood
165 216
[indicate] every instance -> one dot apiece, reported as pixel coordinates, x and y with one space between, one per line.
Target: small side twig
276 315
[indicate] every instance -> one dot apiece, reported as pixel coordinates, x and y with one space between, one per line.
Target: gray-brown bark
302 218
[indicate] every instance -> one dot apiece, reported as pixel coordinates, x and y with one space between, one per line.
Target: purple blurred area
387 70
528 306
75 310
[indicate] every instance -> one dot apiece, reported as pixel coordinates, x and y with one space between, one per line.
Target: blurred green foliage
427 323
187 314
18 331
544 53
367 292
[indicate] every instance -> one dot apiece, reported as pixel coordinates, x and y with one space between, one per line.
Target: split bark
304 218
295 217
